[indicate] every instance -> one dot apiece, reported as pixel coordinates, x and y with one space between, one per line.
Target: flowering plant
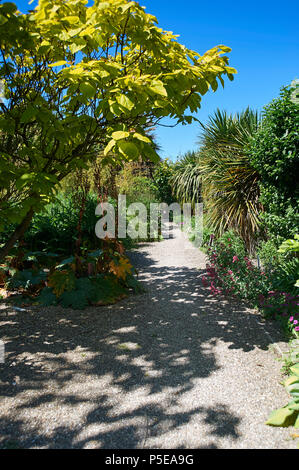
230 272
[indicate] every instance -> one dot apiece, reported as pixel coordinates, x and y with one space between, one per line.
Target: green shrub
138 188
55 228
268 253
102 277
273 152
193 235
100 289
26 279
162 181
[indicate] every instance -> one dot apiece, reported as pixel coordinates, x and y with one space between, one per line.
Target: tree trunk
18 233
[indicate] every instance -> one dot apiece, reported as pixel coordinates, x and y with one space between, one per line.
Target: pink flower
295 322
297 328
291 318
235 258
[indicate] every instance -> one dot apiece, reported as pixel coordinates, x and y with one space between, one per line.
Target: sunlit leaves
121 268
109 147
125 102
82 79
58 63
158 88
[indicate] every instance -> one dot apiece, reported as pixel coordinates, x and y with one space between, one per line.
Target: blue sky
264 39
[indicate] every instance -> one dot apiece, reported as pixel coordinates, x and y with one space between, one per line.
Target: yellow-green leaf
109 147
158 89
71 19
124 101
230 70
118 135
77 47
58 64
280 417
142 137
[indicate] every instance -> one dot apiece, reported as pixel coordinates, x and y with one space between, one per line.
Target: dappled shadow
122 376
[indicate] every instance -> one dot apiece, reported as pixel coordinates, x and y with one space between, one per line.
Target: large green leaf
88 90
125 101
128 149
158 89
109 146
29 114
280 417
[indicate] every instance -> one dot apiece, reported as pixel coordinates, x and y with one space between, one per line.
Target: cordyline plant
229 181
187 179
79 80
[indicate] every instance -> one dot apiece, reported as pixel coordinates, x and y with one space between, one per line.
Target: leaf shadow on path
121 376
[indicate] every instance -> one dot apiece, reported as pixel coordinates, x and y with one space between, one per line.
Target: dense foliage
162 182
274 152
81 79
96 277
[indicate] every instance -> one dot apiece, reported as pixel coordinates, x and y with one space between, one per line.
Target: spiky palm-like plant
186 180
229 182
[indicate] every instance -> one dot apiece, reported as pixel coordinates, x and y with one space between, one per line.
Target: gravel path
171 368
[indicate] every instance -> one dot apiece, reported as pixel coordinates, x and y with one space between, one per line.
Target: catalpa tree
80 80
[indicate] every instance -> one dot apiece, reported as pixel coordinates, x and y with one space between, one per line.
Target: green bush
161 181
97 278
137 188
55 228
273 152
98 290
193 234
268 253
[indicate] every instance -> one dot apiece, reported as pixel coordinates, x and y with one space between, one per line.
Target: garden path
171 368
